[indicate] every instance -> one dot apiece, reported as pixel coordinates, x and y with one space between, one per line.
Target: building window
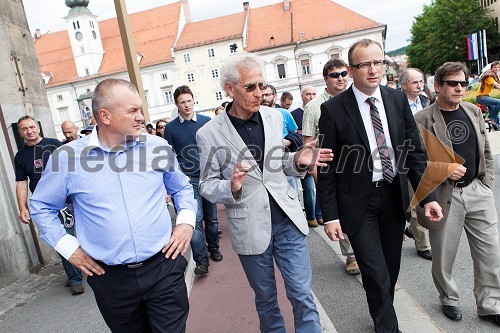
495 23
78 24
74 25
306 69
164 76
92 24
211 53
187 58
86 71
196 100
59 98
64 114
169 97
233 47
218 95
281 71
215 73
335 56
190 77
82 49
146 97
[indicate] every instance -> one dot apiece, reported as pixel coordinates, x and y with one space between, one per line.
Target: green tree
439 33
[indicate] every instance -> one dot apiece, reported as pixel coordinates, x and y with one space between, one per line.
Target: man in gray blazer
243 165
461 166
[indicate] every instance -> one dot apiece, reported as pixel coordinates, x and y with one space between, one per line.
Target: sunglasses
454 83
335 75
160 126
251 87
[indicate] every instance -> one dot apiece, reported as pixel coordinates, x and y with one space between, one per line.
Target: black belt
461 184
138 264
380 183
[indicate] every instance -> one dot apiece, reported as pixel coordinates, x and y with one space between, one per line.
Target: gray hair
238 61
306 87
404 78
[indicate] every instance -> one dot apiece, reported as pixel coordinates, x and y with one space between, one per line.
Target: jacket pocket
237 212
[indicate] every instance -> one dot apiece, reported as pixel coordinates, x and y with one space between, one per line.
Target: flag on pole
472 47
480 44
485 48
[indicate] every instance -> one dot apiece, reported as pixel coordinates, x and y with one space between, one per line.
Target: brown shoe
77 289
351 267
312 223
320 222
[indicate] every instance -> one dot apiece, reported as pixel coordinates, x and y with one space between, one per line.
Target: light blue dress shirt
289 125
119 198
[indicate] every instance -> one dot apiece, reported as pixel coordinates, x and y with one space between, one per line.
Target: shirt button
266 205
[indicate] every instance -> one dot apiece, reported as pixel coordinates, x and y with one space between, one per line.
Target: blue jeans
207 212
493 105
288 247
311 200
74 274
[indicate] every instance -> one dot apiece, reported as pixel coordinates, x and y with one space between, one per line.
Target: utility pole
130 54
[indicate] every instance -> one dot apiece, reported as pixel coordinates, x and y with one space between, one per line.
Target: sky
398 15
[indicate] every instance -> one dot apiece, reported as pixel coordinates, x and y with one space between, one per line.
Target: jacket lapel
390 112
440 131
228 131
352 110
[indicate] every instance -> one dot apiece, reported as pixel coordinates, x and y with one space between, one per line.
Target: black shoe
408 233
427 254
77 289
493 318
452 312
201 269
216 255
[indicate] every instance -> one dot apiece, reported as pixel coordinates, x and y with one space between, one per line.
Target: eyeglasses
454 83
160 126
376 63
267 95
335 75
251 87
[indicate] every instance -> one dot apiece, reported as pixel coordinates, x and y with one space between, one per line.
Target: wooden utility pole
130 54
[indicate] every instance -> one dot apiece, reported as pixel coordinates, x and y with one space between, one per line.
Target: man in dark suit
365 194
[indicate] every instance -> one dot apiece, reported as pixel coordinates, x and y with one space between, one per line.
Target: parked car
473 85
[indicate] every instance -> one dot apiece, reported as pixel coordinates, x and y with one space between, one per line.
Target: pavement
222 301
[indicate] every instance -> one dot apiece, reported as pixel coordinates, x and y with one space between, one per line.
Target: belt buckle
136 265
379 183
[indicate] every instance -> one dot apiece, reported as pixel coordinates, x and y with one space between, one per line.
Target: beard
267 103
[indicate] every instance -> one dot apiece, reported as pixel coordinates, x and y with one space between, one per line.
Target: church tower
85 38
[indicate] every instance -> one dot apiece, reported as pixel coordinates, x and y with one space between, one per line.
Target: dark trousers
378 251
152 298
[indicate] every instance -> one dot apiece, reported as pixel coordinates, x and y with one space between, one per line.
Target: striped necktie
383 150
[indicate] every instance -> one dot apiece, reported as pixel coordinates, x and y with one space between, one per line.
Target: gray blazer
248 212
432 120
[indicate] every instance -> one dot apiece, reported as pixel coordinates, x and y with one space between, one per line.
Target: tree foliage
439 33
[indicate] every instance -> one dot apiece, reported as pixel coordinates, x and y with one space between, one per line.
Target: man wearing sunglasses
364 190
336 78
461 166
244 166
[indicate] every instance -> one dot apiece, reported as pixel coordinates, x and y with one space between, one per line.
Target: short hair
273 88
182 90
23 118
449 68
238 61
304 88
102 94
333 63
365 42
286 95
404 77
495 63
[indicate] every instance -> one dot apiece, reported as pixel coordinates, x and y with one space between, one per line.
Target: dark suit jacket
344 185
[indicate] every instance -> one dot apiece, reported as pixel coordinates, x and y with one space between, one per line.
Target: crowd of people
364 154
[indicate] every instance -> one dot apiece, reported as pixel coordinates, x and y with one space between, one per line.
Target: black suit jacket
344 185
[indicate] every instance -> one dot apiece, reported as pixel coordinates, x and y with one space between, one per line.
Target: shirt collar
95 142
361 96
237 122
181 119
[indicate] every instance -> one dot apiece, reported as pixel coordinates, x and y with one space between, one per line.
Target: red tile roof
315 18
211 31
154 32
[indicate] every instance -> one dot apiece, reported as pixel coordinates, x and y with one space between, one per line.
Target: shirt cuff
332 221
67 245
186 216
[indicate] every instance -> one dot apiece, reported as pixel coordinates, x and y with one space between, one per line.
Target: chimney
37 33
246 4
286 4
187 10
